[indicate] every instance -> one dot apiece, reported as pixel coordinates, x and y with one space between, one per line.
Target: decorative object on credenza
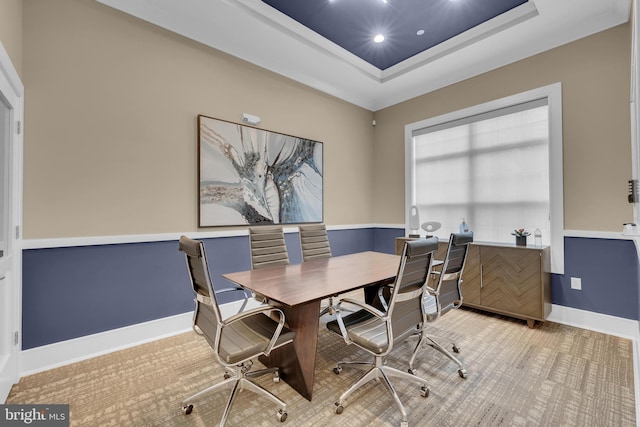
430 227
537 236
463 227
521 236
414 221
253 176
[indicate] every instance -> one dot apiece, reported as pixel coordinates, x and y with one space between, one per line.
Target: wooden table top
318 279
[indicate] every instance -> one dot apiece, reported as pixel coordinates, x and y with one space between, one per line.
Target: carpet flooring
551 375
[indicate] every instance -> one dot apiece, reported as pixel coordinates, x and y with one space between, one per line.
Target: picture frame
252 176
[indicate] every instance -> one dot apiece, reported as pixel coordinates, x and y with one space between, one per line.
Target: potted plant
521 236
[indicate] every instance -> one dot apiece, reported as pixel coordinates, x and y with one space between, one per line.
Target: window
497 165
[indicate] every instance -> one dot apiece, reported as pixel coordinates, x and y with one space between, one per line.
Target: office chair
446 294
235 340
268 248
377 332
314 243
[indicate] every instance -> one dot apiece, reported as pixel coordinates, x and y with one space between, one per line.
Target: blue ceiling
352 24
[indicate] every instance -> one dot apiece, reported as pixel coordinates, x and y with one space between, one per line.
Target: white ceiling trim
255 32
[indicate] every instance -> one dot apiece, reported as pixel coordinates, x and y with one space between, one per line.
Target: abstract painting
253 176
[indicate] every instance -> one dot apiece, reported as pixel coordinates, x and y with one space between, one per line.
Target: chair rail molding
63 242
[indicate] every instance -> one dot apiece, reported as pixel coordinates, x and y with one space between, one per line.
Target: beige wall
111 102
110 113
11 31
595 74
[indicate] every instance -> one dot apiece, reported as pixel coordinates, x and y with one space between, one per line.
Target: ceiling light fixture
420 32
379 38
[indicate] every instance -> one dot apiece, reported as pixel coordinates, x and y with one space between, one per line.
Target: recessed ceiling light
379 38
420 32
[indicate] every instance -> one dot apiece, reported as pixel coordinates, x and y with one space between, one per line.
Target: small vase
521 240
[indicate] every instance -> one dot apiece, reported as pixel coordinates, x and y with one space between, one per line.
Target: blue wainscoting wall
610 277
70 292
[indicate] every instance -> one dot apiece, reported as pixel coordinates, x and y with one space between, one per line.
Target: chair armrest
381 296
371 309
254 312
235 289
343 330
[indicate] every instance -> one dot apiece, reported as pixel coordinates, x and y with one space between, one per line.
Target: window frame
553 94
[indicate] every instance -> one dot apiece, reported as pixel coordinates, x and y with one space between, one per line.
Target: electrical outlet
576 283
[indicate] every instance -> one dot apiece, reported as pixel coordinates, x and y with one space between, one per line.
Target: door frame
12 89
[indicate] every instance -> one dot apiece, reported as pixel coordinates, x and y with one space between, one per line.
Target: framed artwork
249 176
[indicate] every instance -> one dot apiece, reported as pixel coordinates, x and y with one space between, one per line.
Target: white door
11 113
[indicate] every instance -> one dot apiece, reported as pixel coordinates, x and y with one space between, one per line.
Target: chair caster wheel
186 409
281 415
339 408
276 378
424 391
227 376
337 370
411 371
462 373
455 349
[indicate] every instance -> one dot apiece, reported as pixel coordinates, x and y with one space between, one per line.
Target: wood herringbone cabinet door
471 277
511 280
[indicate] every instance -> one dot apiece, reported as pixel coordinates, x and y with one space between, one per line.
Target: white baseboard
611 325
62 353
65 352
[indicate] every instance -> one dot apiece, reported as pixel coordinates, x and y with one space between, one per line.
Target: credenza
505 279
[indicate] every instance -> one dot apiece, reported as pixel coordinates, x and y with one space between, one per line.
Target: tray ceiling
464 38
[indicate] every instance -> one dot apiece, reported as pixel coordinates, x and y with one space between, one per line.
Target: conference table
297 290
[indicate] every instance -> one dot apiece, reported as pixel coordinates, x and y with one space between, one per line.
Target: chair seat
250 336
367 331
364 330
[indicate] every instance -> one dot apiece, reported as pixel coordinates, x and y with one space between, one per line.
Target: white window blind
497 164
491 169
